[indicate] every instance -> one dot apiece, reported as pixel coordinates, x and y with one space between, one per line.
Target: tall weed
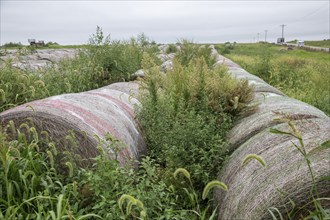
30 185
190 51
18 87
188 113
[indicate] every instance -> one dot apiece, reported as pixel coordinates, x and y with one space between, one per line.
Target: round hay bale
254 189
166 66
137 74
236 71
130 88
264 114
264 87
90 115
243 74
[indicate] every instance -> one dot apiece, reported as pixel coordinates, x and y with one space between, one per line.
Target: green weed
188 112
190 51
172 48
185 114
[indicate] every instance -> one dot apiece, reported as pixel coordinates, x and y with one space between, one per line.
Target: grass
185 120
322 43
49 45
100 63
300 74
186 116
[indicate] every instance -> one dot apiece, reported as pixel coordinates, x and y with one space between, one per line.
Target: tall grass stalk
318 211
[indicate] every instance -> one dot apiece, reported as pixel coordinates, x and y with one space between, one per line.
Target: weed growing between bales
188 113
185 115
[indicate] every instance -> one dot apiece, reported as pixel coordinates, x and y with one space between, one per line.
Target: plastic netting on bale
90 116
286 181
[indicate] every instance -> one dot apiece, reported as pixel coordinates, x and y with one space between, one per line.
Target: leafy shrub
188 113
189 51
118 59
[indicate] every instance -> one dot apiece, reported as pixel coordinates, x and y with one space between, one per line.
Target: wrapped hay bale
253 190
264 115
90 116
130 88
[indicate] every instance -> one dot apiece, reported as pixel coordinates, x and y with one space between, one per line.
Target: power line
312 13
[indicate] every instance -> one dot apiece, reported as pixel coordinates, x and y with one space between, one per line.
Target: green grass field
301 74
316 43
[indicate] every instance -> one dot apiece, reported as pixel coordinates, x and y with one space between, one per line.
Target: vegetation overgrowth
48 45
300 74
186 140
172 48
188 113
12 45
186 116
101 63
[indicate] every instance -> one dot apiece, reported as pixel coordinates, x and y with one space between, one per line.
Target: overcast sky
73 22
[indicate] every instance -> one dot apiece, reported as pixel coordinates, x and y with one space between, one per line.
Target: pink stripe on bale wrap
87 114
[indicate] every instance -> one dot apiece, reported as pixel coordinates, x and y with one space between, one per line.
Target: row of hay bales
25 59
254 189
90 116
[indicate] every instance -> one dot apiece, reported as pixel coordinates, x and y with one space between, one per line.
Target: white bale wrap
253 189
89 115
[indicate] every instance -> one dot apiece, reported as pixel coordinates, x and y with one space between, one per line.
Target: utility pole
258 37
283 25
266 35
